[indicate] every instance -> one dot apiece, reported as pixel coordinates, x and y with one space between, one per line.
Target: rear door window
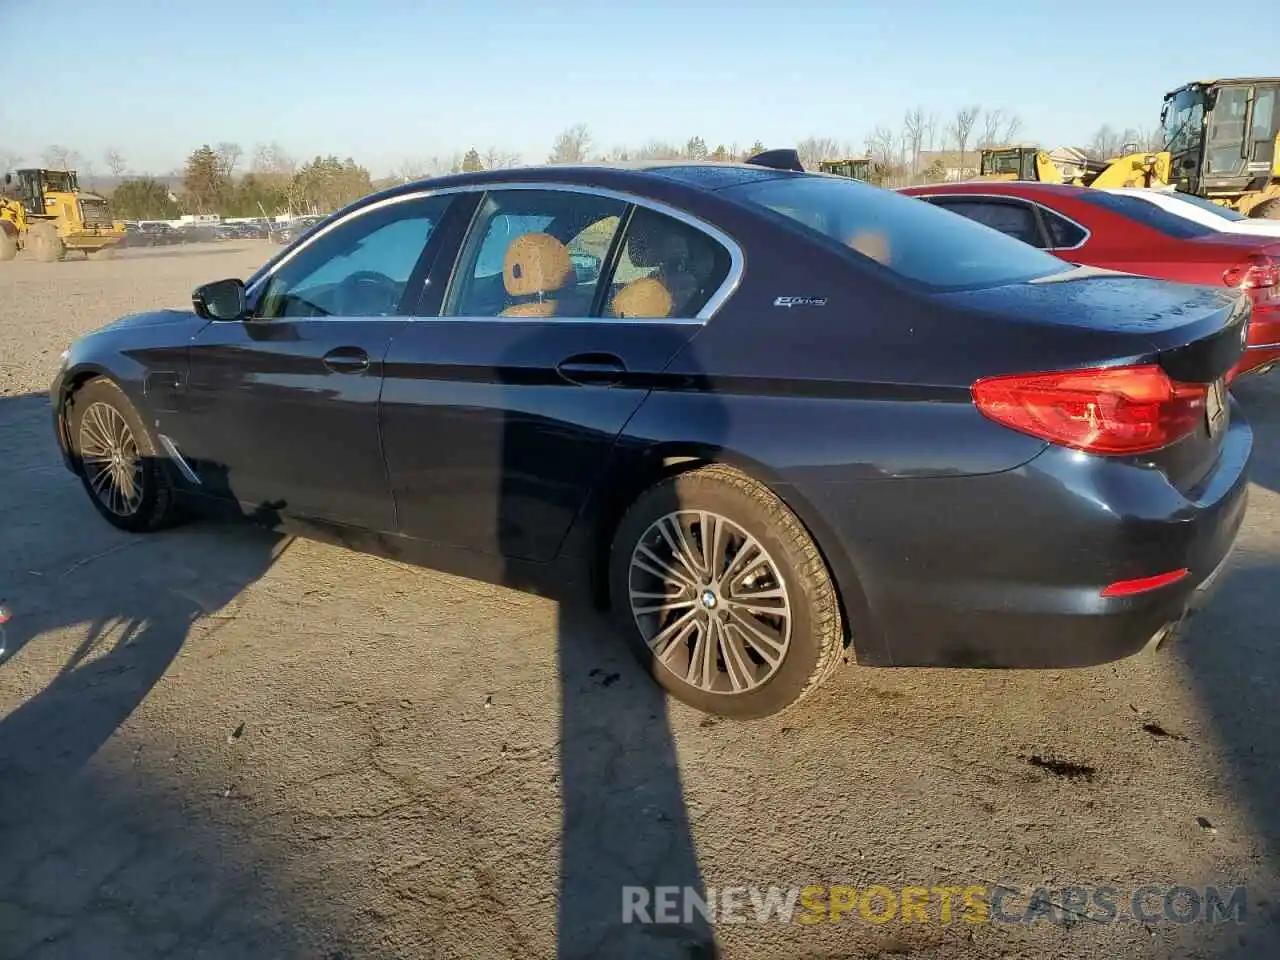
913 240
1010 217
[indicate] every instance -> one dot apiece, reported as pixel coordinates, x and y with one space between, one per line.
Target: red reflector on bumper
1127 588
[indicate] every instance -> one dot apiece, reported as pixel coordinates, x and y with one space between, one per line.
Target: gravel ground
217 742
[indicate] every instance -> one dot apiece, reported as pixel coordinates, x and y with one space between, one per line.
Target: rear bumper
1007 570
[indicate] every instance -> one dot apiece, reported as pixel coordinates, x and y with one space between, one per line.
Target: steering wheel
367 293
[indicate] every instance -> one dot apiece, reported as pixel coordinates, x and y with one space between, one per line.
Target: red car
1101 229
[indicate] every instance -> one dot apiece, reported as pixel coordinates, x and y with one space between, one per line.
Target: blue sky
390 80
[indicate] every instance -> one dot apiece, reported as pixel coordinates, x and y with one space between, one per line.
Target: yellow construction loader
859 168
1224 138
45 214
1134 169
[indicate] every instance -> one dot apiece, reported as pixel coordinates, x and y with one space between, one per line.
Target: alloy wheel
710 602
112 463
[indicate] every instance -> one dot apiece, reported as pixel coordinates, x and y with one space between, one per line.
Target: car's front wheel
724 595
125 476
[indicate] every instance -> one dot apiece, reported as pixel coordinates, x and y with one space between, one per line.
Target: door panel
285 413
489 445
283 408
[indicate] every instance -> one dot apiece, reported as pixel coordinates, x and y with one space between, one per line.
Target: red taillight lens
1129 588
1108 410
1255 272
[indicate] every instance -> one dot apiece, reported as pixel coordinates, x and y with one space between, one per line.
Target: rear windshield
1217 209
911 238
1147 214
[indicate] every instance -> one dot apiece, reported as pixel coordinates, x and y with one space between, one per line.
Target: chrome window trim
1008 197
731 282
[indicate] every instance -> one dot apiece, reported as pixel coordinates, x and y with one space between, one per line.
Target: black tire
1267 210
816 645
158 504
8 245
44 243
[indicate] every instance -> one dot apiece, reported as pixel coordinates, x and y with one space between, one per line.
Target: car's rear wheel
723 594
126 478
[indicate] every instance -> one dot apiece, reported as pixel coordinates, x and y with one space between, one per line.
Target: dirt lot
215 742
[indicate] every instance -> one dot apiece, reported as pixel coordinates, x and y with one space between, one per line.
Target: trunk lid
1195 333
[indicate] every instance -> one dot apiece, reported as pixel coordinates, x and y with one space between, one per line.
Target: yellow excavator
858 168
1224 137
1134 169
46 214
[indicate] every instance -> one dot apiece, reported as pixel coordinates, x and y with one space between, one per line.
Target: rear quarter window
912 239
1147 214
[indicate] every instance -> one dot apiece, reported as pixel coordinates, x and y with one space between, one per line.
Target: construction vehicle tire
44 243
1267 210
8 245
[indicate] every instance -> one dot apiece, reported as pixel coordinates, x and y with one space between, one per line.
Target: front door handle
592 369
347 360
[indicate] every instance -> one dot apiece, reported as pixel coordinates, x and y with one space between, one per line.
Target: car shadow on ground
1232 660
624 817
102 859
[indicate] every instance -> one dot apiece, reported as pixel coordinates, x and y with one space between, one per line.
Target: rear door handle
592 369
347 360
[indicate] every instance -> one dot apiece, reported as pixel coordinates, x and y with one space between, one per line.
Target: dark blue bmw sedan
778 421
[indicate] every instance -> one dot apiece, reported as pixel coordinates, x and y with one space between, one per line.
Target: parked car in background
157 234
1120 231
777 419
285 233
1205 212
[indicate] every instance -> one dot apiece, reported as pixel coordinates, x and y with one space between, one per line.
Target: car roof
1014 188
703 175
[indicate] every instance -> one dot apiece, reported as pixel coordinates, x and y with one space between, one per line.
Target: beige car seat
657 245
535 269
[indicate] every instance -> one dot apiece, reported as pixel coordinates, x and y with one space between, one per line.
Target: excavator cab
1224 140
1008 163
33 185
857 168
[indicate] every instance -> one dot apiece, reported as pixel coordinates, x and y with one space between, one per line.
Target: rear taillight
1107 410
1255 272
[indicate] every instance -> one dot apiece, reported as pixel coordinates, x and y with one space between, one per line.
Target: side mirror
220 300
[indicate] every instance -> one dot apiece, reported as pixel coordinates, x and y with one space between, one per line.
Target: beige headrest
873 245
536 263
646 298
655 246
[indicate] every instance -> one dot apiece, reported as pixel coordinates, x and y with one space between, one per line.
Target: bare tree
962 128
272 158
931 131
572 145
495 159
88 174
1106 143
58 157
913 131
116 163
813 150
1012 124
992 124
880 146
229 155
